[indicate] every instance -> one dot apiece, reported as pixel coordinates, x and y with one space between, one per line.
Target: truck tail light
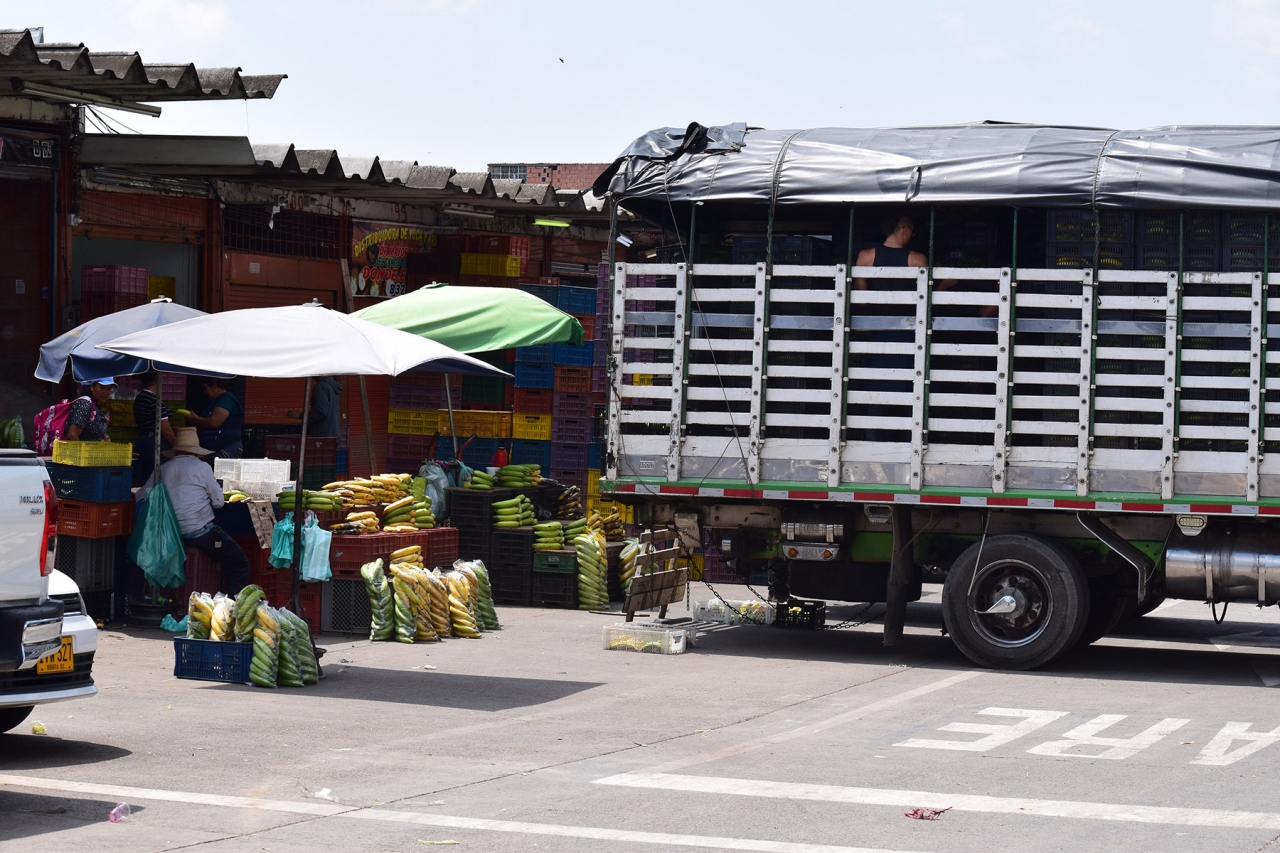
49 536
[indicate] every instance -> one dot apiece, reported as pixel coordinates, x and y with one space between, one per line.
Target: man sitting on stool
195 494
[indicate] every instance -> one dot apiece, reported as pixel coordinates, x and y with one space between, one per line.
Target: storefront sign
24 150
380 255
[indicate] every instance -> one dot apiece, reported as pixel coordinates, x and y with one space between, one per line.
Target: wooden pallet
657 582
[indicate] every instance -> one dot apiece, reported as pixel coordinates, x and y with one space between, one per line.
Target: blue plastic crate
95 485
530 375
528 452
478 454
542 353
595 455
340 460
576 300
570 356
545 292
211 660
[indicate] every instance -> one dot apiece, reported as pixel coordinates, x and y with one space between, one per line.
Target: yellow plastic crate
479 424
531 427
93 454
121 412
593 481
162 285
627 513
413 422
473 264
696 564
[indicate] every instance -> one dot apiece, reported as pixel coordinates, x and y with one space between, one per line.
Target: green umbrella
476 319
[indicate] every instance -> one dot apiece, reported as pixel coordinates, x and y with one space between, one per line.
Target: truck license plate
60 661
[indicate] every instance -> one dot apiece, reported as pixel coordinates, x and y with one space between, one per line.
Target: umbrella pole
159 405
299 502
368 430
453 433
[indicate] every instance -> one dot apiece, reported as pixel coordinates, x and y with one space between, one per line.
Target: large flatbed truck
1066 413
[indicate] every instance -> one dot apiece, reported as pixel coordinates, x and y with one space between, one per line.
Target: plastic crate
474 543
345 608
574 356
595 455
408 447
570 431
801 613
478 453
540 353
498 265
531 427
482 424
574 455
120 412
571 405
731 612
94 520
202 572
527 452
421 397
439 545
1078 226
210 660
483 390
413 422
1243 257
94 305
786 250
642 637
601 353
531 375
555 561
96 485
347 554
593 478
588 322
316 477
512 549
90 562
545 292
533 401
1111 256
572 380
555 589
474 507
511 586
92 454
113 279
1167 226
1200 258
320 451
570 477
1247 227
576 300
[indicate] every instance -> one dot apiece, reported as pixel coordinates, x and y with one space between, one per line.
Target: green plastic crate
565 562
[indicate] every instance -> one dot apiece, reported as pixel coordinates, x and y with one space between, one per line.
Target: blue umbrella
80 345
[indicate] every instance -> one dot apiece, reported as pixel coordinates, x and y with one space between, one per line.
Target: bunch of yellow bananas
460 606
371 491
593 584
413 590
222 622
357 522
627 562
609 524
234 496
439 604
199 616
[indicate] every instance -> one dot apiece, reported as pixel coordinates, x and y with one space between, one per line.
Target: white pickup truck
47 640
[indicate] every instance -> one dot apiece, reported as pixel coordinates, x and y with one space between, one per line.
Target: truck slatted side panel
1138 383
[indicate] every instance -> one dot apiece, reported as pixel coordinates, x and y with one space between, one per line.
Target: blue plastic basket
535 375
541 353
576 300
211 660
545 292
95 485
568 355
595 455
528 452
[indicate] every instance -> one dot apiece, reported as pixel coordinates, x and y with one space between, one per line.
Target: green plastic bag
315 551
156 542
282 543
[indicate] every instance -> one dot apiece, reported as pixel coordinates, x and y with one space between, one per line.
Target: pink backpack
50 423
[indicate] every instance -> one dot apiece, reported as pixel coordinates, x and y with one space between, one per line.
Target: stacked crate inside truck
413 421
93 481
107 289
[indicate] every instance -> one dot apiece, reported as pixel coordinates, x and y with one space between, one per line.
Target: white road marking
822 725
1087 735
665 839
1215 752
959 802
995 735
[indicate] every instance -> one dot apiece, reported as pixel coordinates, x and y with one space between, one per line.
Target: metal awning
71 73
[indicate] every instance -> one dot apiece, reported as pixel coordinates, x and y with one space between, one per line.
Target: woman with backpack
86 421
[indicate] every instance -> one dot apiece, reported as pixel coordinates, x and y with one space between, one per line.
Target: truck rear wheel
10 717
1019 604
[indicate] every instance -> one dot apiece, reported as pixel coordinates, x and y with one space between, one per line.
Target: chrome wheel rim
993 585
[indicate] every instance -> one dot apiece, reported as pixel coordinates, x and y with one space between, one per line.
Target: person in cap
85 420
195 494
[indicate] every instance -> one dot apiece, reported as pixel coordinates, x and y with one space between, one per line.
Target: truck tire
1050 602
1110 603
11 717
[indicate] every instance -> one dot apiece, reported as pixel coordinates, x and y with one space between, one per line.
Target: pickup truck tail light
49 536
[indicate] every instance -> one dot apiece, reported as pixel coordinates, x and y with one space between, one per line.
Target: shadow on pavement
33 752
23 815
439 689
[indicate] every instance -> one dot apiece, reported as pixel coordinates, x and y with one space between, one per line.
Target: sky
465 83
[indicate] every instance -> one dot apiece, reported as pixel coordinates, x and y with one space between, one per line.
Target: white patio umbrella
301 341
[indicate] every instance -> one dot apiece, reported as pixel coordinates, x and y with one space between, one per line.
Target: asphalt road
760 739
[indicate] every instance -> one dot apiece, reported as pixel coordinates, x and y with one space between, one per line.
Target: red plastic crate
94 520
309 599
533 401
113 279
439 545
98 304
348 553
203 574
573 380
588 322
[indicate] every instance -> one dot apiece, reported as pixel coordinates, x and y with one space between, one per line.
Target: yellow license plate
60 661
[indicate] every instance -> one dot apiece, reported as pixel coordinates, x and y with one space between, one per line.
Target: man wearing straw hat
195 494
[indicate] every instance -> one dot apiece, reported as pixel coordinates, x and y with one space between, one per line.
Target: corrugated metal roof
121 75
